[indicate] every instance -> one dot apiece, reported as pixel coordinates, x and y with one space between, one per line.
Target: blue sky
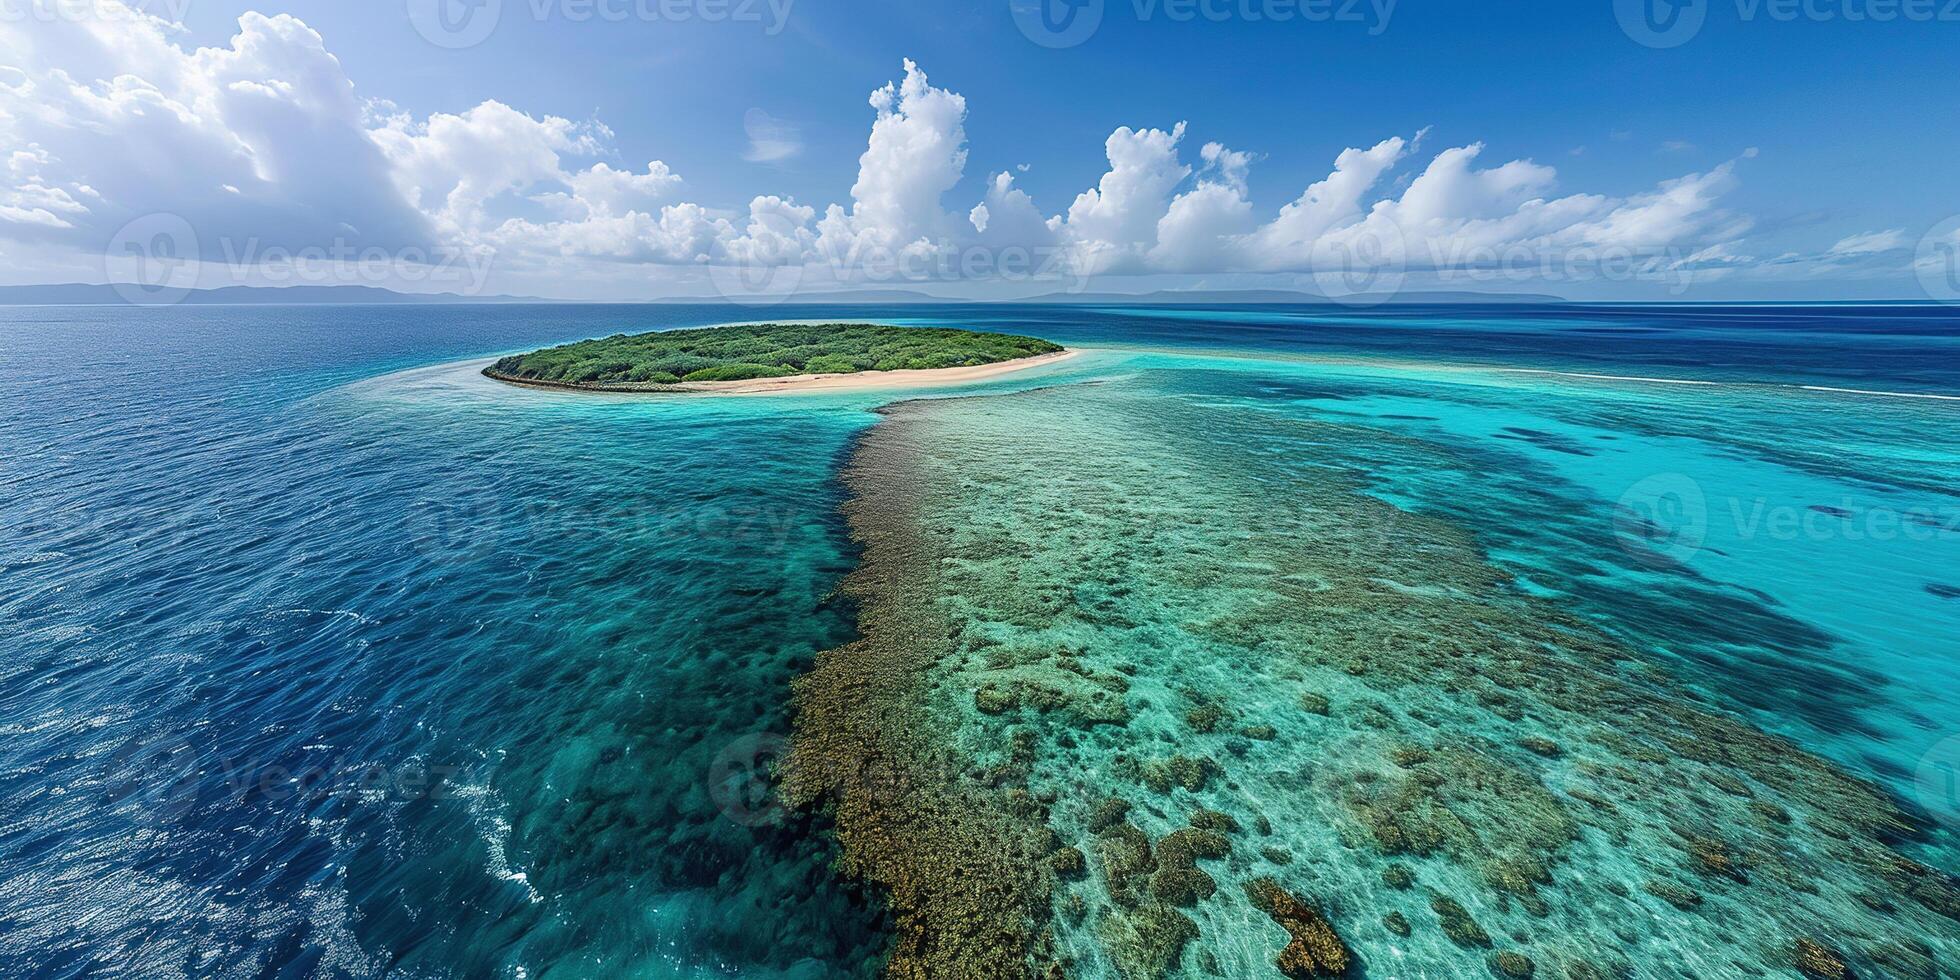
1831 131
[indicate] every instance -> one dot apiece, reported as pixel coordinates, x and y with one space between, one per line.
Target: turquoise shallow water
326 657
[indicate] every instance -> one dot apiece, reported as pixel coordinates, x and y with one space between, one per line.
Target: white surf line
1882 394
1735 384
1616 377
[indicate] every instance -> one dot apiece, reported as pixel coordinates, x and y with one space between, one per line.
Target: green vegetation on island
769 350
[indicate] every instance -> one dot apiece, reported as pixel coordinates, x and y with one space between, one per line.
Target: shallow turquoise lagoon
326 656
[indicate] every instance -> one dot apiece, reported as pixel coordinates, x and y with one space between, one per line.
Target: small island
772 356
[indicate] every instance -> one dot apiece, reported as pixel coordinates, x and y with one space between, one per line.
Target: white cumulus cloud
262 139
265 139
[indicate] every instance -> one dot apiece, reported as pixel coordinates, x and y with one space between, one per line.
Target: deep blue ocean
322 656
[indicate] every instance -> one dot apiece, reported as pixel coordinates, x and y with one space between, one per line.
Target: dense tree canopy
740 353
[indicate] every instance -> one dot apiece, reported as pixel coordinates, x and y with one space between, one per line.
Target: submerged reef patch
1314 949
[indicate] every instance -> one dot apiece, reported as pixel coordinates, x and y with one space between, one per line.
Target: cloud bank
265 140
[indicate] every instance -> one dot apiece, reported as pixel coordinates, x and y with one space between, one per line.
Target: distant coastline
307 294
140 296
137 296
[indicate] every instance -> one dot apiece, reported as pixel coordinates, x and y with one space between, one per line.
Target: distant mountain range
1170 297
1208 297
95 294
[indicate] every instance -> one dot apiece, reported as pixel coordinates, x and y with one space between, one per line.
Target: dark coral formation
1205 718
969 888
1145 934
1069 862
1457 923
1191 774
1683 898
1397 923
1513 965
1314 949
1819 962
1179 880
1204 819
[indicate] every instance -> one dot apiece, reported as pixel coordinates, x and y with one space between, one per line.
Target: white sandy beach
878 379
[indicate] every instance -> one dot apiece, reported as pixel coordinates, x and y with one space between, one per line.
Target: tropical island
774 356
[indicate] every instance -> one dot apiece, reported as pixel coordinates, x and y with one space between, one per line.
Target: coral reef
968 886
1043 627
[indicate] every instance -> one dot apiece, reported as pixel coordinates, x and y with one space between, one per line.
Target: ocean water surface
1625 638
